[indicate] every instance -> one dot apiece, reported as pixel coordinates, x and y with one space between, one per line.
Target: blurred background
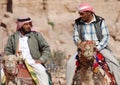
55 19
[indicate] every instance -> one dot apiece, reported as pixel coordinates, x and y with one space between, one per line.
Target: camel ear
94 46
5 57
19 57
82 44
94 42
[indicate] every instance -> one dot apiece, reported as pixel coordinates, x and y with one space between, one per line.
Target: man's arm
45 48
8 49
105 40
76 35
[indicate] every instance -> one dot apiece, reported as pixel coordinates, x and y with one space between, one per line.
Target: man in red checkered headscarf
90 26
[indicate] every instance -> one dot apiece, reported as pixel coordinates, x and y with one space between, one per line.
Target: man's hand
79 42
37 61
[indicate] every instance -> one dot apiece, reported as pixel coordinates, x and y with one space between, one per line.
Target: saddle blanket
31 71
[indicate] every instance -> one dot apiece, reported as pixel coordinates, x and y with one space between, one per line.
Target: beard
25 30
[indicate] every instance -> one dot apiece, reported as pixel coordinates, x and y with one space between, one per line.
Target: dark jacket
97 25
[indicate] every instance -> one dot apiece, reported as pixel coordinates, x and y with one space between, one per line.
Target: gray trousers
70 70
112 63
109 58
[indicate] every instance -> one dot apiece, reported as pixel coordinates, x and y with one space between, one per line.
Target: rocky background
55 19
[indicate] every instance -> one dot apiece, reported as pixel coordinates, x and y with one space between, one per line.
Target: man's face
26 28
85 15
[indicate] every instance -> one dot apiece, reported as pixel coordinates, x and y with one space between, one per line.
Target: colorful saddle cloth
25 73
100 61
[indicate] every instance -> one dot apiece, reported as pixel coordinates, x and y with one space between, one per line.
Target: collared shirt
24 48
89 33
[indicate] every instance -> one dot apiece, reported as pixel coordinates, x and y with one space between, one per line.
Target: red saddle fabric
23 72
100 56
99 61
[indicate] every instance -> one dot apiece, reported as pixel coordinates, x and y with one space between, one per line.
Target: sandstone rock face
55 19
61 13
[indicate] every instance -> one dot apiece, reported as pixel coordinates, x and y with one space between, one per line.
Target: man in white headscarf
34 48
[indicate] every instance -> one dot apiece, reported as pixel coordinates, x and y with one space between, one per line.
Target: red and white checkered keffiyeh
21 21
85 7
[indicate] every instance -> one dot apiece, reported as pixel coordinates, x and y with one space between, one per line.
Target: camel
87 73
15 71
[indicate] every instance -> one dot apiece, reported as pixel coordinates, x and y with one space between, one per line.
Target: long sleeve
8 49
76 38
45 48
105 33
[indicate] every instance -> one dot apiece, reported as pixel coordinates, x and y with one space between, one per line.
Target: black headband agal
22 20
